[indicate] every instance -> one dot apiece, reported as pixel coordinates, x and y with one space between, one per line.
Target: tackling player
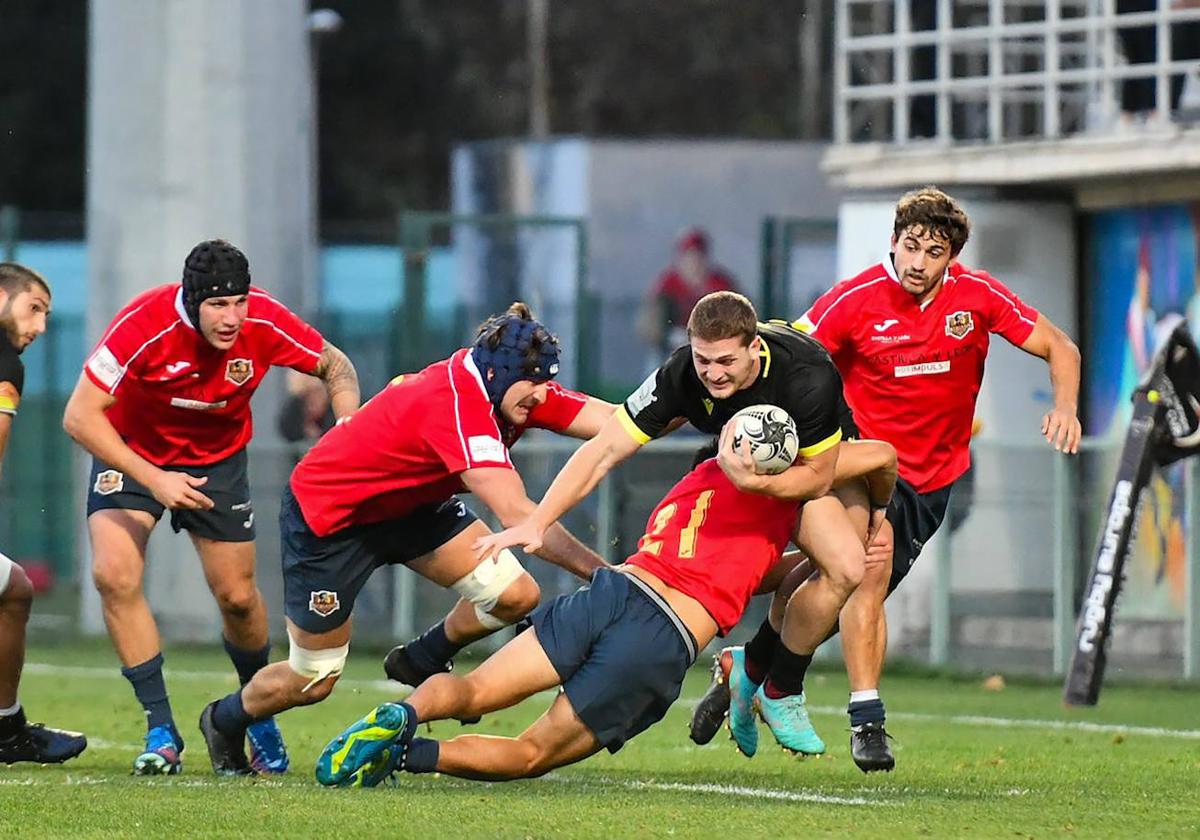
24 308
163 406
732 362
620 647
910 336
380 489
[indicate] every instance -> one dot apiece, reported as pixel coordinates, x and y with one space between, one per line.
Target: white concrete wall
200 125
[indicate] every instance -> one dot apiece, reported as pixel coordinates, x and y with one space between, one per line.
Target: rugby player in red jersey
380 489
163 406
620 647
910 335
24 309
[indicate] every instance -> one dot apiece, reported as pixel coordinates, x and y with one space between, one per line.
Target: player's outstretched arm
5 429
335 369
1060 425
578 477
85 421
590 420
873 460
504 493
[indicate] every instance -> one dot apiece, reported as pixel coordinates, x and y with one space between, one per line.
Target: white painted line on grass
90 672
1017 723
734 790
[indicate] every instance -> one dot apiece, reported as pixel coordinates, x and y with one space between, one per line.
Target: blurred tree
405 79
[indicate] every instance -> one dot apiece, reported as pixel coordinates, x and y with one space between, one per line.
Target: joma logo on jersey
238 371
958 324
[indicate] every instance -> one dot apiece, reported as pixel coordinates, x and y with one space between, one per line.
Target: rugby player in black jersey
24 307
731 362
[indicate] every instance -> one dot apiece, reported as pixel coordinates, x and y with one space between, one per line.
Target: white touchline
1015 723
688 702
722 790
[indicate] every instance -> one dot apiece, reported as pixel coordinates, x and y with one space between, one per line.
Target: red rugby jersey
409 445
179 399
912 374
715 543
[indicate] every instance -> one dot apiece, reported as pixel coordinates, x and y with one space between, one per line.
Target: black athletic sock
13 724
866 711
230 716
760 651
247 662
422 756
432 650
151 692
787 672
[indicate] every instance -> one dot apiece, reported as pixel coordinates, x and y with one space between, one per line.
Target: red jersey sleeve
829 318
463 432
559 410
290 341
1006 313
118 353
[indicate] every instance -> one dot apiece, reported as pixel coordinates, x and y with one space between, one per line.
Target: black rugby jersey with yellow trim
12 376
796 375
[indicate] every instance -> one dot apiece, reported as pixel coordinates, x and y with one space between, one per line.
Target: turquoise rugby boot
742 724
363 743
381 768
788 720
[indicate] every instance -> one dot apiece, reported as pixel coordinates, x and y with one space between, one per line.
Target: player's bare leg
229 570
118 563
314 663
864 645
832 540
556 739
16 600
118 540
455 565
19 739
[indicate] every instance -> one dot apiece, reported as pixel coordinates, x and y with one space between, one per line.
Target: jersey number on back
651 543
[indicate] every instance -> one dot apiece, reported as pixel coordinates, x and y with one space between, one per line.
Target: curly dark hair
933 211
491 331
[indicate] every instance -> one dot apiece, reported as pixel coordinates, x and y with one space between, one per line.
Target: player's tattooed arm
336 370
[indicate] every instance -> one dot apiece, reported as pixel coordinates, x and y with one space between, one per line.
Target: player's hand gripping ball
772 435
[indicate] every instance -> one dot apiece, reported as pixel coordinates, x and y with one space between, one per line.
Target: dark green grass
955 777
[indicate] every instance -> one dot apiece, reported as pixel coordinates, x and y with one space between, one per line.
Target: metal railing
994 70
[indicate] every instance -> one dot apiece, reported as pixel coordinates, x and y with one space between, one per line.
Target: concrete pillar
200 125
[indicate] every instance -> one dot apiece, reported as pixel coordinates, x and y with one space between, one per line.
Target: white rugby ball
772 435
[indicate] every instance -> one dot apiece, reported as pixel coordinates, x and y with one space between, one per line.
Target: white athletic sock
11 710
863 696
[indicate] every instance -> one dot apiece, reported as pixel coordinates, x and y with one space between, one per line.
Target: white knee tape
6 567
316 664
486 583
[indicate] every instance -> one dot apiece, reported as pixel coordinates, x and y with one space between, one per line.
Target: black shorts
323 575
620 651
230 520
915 518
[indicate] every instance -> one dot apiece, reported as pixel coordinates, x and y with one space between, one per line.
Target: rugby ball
772 435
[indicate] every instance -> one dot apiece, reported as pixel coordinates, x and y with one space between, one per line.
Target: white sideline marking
722 790
1016 723
90 672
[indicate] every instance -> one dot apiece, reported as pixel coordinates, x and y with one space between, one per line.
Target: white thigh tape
316 664
6 567
484 585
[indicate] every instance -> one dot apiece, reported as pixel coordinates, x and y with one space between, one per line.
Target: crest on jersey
323 602
958 324
238 371
109 482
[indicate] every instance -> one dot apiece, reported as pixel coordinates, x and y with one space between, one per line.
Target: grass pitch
969 762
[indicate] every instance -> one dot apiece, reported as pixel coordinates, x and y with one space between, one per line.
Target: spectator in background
662 323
